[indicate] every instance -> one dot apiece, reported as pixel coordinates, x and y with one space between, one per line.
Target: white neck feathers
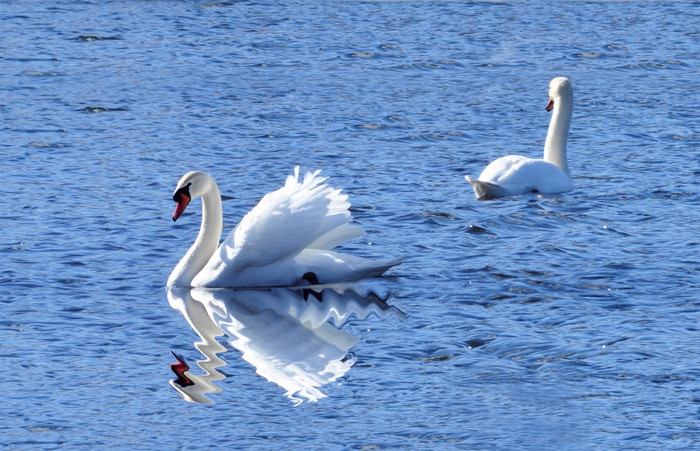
557 135
207 240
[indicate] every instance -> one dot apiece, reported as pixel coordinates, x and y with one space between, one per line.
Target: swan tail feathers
331 267
366 267
485 190
337 236
383 265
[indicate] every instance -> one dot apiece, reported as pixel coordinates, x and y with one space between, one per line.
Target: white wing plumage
288 226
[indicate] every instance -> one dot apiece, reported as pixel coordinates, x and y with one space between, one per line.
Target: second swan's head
191 185
559 90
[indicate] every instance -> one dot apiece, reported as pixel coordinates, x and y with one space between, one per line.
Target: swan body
515 174
285 240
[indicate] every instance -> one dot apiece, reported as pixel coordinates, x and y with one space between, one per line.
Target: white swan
514 174
286 240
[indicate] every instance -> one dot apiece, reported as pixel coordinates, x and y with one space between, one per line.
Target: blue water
536 322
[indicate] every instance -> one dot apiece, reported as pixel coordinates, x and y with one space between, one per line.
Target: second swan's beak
182 197
550 105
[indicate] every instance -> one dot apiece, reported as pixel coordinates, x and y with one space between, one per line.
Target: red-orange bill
181 205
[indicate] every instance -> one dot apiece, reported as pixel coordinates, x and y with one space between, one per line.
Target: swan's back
274 241
516 174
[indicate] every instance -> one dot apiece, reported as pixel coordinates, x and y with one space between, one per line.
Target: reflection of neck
555 144
206 243
201 322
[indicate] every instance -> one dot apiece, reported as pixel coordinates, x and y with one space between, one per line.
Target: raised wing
295 217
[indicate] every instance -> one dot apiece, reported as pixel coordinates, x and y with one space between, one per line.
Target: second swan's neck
205 244
555 144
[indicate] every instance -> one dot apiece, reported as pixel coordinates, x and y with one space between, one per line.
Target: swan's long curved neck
555 144
206 243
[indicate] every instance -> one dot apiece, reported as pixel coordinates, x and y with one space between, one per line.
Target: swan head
191 185
559 90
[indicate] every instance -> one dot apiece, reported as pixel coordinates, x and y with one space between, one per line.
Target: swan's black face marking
313 280
182 197
177 197
179 369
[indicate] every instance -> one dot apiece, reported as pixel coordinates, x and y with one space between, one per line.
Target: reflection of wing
299 357
297 344
340 304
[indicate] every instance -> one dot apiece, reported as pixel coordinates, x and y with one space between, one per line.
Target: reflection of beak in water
179 369
298 344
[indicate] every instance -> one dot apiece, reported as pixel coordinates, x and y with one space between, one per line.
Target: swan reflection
294 338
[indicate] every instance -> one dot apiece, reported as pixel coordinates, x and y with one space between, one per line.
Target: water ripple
531 322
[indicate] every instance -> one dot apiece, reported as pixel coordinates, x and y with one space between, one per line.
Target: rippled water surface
535 322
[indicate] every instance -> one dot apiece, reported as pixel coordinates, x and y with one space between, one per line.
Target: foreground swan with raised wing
285 240
514 174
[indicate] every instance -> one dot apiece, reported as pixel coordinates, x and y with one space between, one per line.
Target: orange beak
550 105
182 200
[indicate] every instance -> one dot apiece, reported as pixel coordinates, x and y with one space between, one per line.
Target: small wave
46 145
100 109
38 73
88 38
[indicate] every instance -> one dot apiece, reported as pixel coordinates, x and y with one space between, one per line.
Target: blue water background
538 322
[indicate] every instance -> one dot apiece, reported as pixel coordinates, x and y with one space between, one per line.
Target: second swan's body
514 174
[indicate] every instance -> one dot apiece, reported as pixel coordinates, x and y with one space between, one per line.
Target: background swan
514 174
285 240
